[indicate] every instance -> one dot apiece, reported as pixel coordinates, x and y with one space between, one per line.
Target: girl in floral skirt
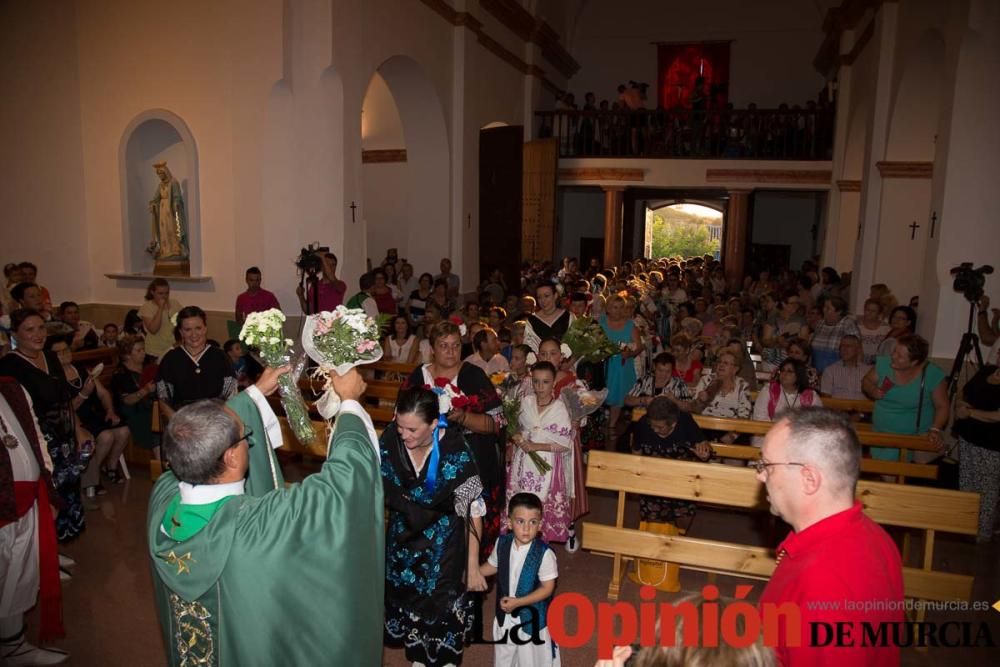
542 459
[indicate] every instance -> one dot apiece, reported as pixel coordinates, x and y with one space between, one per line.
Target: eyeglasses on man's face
762 466
246 436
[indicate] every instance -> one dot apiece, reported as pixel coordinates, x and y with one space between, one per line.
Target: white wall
774 43
581 214
786 218
272 93
381 128
44 216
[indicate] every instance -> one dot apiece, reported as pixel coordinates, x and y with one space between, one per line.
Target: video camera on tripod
971 283
310 263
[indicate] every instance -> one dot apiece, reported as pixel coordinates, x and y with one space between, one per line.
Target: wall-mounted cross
913 230
353 208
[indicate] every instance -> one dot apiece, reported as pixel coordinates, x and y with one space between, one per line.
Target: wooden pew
841 404
913 508
868 466
102 355
865 435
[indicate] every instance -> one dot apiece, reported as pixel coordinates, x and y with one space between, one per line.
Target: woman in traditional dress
41 375
134 389
551 350
96 419
544 429
548 320
517 384
434 534
480 416
194 369
621 376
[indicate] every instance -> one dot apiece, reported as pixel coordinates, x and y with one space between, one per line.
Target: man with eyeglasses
837 566
291 576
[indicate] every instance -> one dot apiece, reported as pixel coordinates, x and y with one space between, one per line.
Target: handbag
659 574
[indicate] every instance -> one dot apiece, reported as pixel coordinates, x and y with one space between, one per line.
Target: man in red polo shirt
838 566
256 299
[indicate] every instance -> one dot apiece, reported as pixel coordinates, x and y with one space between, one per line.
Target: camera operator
329 289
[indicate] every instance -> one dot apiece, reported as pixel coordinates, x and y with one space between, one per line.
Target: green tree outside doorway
679 233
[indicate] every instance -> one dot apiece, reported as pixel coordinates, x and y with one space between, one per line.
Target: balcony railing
754 134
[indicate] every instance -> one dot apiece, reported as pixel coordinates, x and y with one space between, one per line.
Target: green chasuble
292 577
265 472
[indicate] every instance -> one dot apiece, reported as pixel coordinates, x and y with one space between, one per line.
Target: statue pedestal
172 267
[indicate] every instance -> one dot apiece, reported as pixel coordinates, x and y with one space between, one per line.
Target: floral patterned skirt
550 487
431 641
67 466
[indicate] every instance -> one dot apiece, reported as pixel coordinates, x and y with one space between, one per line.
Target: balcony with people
627 129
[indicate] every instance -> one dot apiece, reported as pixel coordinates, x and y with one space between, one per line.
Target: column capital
739 191
613 188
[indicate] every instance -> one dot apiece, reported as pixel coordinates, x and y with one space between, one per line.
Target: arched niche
154 136
406 195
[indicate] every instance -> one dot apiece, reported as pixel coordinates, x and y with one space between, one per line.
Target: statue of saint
169 218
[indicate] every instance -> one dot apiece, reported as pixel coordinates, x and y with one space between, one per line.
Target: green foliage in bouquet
588 341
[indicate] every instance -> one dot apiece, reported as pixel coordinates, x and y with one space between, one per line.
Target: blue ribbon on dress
432 465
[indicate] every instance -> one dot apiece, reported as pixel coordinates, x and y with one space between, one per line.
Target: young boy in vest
526 579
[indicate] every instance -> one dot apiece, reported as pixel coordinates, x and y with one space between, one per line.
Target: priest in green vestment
290 577
264 436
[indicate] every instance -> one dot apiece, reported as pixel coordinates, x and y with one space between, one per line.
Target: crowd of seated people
776 340
686 343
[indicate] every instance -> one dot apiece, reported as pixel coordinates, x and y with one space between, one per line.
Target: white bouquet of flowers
338 341
265 332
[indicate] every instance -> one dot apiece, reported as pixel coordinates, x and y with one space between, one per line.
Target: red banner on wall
680 66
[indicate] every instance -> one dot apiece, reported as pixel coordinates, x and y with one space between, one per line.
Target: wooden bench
868 466
866 435
901 469
102 355
840 404
911 508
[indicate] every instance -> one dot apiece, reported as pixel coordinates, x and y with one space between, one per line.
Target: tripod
969 344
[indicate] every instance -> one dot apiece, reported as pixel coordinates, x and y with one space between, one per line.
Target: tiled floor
111 621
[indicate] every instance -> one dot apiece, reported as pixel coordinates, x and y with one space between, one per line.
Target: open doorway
683 230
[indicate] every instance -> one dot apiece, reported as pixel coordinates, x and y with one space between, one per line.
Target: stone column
613 196
734 244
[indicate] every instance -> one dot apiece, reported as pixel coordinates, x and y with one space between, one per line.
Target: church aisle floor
111 622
